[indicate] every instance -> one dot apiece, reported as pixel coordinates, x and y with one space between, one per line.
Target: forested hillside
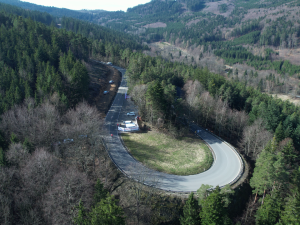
265 130
258 36
57 12
45 125
50 138
37 60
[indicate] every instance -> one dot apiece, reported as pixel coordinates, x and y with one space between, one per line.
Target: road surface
226 168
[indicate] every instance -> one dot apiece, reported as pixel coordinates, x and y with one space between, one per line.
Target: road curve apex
226 169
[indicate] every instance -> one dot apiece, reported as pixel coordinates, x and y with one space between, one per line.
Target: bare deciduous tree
38 172
241 121
67 188
36 188
193 90
17 155
143 177
207 106
220 115
31 216
255 138
138 94
38 124
83 126
82 120
8 184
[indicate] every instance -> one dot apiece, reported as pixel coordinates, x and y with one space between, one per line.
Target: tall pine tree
190 212
213 211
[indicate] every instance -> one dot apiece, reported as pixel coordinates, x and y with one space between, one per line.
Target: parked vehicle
127 122
131 114
105 92
111 82
130 125
68 141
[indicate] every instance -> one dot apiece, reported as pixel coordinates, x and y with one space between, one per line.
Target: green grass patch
185 156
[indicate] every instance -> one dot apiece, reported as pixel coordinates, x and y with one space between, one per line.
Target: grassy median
185 156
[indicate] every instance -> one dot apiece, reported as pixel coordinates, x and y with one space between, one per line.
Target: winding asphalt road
227 166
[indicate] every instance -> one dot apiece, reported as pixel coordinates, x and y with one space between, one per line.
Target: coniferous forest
52 158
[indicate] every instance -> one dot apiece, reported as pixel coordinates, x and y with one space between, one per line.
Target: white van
128 125
127 122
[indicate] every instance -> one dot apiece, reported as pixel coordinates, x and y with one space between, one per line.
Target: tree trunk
255 197
262 202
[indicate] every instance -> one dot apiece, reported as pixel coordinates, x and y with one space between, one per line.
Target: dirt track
100 76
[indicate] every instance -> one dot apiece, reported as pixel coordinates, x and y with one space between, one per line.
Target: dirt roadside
100 75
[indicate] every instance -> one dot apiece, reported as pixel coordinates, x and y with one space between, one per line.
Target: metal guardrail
107 150
235 151
239 157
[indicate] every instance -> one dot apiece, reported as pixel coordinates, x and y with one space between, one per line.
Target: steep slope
38 60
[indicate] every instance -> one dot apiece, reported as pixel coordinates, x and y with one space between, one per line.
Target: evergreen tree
279 133
262 179
213 211
290 155
291 213
236 72
155 96
268 213
28 145
100 192
3 142
296 137
203 192
107 212
82 215
260 86
271 170
226 193
13 138
190 212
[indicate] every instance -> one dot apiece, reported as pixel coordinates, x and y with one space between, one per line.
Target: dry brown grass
156 25
272 13
192 22
296 101
213 7
293 55
184 156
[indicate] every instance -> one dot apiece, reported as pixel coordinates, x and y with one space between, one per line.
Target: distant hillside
257 35
37 59
59 12
87 29
88 15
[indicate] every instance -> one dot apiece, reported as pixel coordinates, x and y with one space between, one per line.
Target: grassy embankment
185 156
